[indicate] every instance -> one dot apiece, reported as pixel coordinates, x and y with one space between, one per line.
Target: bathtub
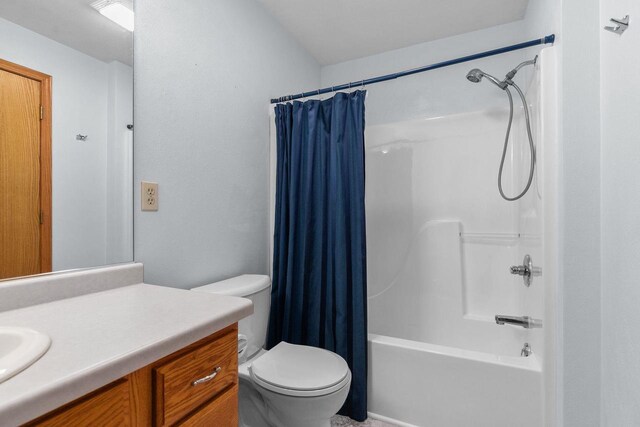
419 384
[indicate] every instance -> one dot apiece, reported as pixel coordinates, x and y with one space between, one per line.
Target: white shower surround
440 241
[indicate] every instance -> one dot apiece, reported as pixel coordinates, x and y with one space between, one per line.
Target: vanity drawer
184 383
220 412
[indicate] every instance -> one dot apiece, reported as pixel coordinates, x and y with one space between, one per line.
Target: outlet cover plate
149 196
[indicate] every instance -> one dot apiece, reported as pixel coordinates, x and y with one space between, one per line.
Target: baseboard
389 420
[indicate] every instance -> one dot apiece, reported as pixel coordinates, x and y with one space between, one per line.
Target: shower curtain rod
544 40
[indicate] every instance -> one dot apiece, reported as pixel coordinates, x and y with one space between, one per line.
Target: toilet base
260 407
251 407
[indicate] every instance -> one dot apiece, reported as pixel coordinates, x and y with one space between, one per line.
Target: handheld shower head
477 74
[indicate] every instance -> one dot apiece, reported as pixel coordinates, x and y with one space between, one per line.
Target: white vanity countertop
100 337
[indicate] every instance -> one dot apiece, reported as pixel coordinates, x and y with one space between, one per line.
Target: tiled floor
340 421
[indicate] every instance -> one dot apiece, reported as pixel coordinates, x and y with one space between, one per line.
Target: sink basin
19 348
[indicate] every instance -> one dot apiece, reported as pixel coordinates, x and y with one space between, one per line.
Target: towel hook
620 26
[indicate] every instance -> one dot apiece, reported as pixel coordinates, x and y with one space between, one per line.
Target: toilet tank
252 330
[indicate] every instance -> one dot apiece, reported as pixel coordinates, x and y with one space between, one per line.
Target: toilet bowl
289 385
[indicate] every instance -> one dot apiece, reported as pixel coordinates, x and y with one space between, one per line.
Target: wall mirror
66 135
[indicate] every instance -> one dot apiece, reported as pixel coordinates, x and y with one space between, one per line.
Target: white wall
620 112
79 168
204 74
580 222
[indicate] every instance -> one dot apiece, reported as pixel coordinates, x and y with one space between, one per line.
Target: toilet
289 385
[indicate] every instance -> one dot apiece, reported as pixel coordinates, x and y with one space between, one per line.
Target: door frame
45 157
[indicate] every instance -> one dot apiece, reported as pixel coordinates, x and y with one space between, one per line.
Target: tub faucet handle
526 270
520 270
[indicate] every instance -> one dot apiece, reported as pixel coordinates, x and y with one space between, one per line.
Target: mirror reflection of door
25 171
90 192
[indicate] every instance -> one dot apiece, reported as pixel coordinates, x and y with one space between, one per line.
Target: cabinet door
105 407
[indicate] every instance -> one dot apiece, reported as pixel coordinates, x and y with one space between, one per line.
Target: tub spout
524 321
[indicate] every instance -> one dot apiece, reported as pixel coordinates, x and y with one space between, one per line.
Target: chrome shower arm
511 74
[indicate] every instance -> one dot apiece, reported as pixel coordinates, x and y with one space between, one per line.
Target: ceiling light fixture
119 11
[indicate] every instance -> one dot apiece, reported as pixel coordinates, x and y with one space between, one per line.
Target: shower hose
506 144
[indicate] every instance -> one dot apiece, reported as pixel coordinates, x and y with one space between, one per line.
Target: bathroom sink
19 348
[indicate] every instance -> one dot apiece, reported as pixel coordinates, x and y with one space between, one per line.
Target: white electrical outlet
149 196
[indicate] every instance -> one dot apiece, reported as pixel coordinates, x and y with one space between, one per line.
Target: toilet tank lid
240 286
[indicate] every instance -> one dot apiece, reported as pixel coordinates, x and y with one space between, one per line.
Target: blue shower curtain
319 293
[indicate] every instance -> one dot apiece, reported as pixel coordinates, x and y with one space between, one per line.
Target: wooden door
25 171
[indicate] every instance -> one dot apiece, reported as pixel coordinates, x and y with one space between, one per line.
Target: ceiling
331 30
73 23
339 30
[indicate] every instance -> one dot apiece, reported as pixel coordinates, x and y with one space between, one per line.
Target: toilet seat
299 370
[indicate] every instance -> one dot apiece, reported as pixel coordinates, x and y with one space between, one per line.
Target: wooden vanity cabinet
195 386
